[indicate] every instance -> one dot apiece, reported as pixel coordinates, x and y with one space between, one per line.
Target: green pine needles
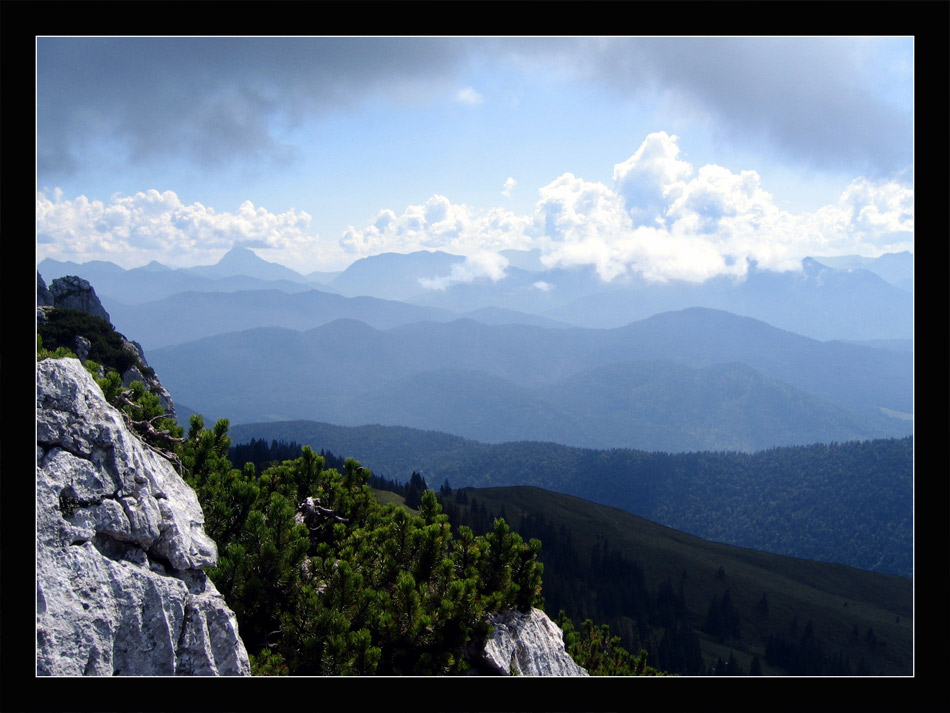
601 654
327 581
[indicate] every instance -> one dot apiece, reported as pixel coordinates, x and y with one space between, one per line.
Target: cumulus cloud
662 218
509 186
154 225
582 222
666 221
652 177
438 224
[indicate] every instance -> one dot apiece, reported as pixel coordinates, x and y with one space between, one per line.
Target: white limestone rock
531 643
121 548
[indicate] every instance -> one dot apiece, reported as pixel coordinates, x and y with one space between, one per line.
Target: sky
670 157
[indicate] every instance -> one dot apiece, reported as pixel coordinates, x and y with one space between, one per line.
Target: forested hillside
697 606
839 502
325 579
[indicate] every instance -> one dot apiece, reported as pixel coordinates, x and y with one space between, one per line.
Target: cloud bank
153 225
666 220
662 218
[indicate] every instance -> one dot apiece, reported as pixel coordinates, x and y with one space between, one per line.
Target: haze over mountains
552 355
830 298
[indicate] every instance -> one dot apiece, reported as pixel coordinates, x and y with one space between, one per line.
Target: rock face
121 549
43 295
530 643
76 293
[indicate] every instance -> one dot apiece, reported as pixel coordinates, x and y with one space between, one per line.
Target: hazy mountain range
688 380
830 298
543 355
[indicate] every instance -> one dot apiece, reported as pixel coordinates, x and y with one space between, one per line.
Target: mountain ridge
328 373
851 302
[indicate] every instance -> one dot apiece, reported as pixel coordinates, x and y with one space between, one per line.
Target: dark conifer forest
847 502
697 607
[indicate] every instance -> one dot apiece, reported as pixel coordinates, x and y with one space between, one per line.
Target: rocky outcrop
527 644
121 549
142 372
43 295
76 293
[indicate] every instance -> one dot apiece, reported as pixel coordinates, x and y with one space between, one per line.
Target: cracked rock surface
120 548
531 644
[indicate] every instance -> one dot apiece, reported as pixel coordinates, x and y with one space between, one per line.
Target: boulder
120 547
527 644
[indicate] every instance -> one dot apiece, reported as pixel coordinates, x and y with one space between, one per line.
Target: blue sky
672 157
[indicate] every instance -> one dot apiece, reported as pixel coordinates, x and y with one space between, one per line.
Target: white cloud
438 224
483 263
153 225
880 208
468 96
652 177
509 186
665 223
661 219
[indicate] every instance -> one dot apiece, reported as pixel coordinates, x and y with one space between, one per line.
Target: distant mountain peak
241 255
240 260
155 266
